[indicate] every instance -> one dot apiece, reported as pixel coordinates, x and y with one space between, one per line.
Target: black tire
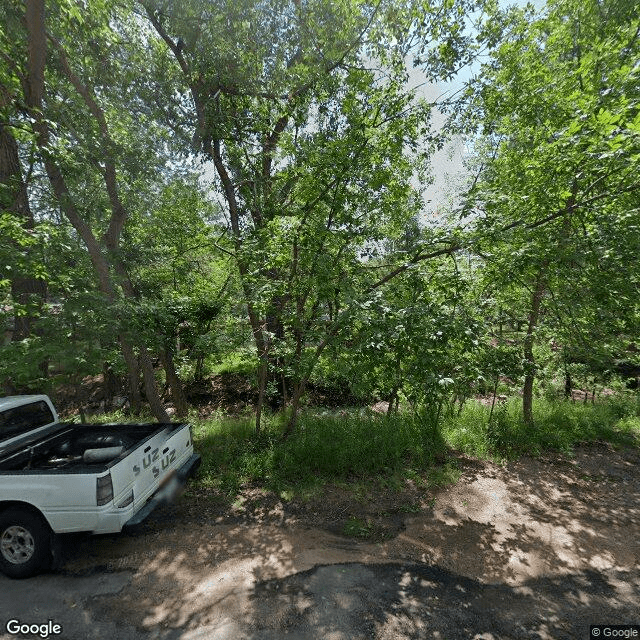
25 543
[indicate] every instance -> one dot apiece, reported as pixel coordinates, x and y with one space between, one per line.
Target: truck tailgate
151 464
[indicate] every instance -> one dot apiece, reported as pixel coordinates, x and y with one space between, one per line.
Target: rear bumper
168 492
189 468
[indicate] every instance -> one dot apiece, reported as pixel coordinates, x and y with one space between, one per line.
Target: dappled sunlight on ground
538 548
534 518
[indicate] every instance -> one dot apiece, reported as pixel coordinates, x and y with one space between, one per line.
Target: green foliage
556 197
560 425
323 448
75 338
22 250
243 362
419 338
267 162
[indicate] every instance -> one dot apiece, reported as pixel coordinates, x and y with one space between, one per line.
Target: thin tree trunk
568 385
100 266
262 385
213 148
148 376
151 388
175 384
392 399
133 375
199 371
110 386
300 386
530 364
298 392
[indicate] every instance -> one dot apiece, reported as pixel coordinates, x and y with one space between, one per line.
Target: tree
303 110
95 137
559 105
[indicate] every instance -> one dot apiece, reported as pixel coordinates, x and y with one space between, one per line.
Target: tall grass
348 444
323 448
559 425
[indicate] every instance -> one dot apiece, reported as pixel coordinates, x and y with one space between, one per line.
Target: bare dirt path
536 549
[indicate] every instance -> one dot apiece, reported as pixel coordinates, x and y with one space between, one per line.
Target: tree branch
415 260
118 212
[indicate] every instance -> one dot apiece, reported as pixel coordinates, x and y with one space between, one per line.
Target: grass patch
357 528
559 425
323 448
442 475
355 447
236 362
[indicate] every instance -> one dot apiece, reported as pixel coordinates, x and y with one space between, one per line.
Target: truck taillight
104 490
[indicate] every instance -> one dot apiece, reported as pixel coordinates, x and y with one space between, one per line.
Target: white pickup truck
58 477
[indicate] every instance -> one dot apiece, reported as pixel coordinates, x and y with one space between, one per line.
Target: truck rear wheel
25 543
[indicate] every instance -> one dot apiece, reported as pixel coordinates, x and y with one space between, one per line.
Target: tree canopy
184 182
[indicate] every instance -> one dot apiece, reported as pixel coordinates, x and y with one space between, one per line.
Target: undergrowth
323 448
350 445
355 446
559 425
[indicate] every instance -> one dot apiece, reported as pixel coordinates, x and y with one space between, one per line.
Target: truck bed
58 477
78 448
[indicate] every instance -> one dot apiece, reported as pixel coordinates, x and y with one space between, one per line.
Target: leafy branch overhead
241 181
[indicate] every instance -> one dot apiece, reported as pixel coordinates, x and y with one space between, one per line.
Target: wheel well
25 506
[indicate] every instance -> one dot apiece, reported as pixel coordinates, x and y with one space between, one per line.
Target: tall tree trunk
33 89
27 292
98 260
530 364
119 216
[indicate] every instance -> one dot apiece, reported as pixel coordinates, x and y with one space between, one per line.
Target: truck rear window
24 418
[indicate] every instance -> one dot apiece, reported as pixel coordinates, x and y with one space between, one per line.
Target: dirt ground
539 548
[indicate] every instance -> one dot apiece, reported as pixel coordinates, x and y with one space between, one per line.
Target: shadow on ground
537 549
389 601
